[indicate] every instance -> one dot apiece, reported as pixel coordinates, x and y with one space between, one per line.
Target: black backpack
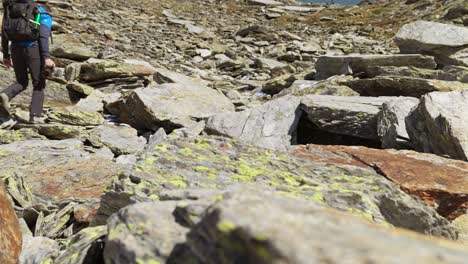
20 20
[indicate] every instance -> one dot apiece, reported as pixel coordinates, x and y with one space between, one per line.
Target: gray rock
328 87
448 43
261 228
328 66
264 2
156 139
270 125
391 126
265 63
143 232
348 115
121 139
97 70
402 86
438 125
171 106
38 250
68 47
448 73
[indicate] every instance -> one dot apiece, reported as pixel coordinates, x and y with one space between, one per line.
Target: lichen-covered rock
9 136
120 140
350 115
439 124
170 105
75 116
270 125
38 250
448 43
328 66
261 228
216 163
84 247
391 125
143 233
10 232
439 182
402 86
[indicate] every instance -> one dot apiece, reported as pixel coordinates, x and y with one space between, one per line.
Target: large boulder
271 125
217 163
448 43
439 124
10 232
439 182
170 105
402 86
328 66
349 115
391 126
261 228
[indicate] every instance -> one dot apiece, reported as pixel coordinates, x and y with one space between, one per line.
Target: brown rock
10 233
58 169
81 179
440 182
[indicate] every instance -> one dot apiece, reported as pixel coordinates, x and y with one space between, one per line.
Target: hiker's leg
20 65
38 81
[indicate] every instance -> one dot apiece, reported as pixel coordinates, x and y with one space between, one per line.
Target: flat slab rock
58 169
10 232
402 86
440 182
294 231
447 43
328 66
216 163
264 2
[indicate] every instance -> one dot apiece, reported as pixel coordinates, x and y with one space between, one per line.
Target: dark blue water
340 2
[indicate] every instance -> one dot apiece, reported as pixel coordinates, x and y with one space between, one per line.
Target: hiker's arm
44 41
44 34
5 43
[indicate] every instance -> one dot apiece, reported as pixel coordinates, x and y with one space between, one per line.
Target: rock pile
196 132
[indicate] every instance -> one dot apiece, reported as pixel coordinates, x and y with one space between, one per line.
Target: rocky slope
252 131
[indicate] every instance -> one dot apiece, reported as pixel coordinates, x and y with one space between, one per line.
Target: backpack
20 23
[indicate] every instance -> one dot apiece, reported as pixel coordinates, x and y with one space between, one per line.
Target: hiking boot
5 103
37 120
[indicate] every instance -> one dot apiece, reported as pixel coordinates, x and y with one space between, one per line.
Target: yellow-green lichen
226 226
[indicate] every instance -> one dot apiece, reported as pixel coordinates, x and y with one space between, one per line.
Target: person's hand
7 63
49 63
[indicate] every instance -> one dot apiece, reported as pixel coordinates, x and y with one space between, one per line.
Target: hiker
27 25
